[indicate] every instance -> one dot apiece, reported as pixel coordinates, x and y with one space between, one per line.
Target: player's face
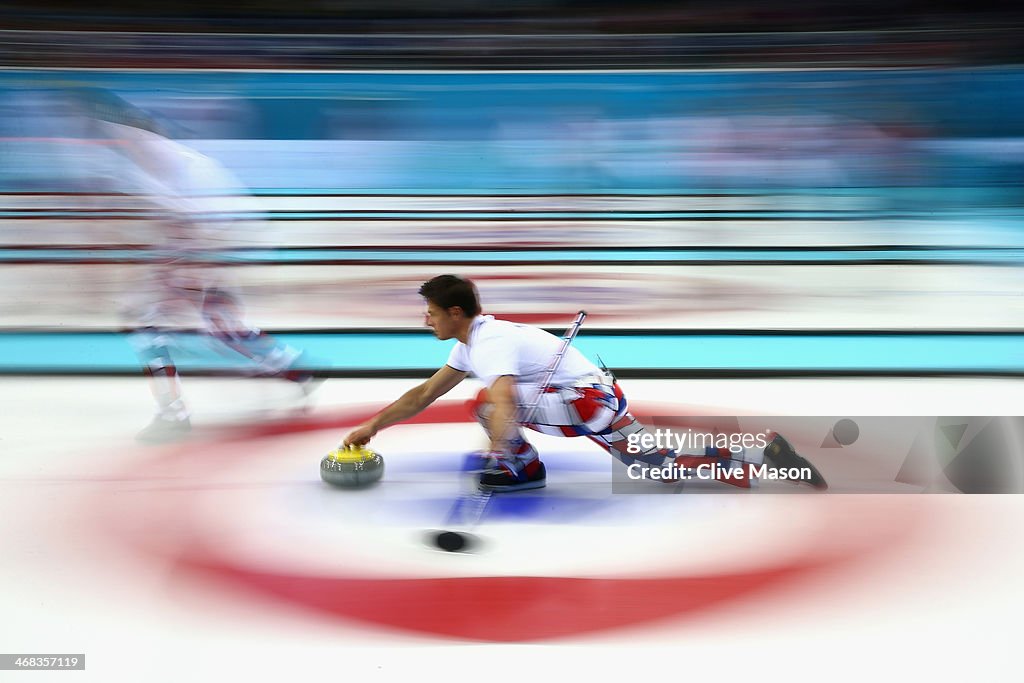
440 321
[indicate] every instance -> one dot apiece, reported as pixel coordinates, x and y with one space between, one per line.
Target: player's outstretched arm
411 403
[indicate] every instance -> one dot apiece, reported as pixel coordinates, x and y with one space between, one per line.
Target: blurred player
197 201
511 359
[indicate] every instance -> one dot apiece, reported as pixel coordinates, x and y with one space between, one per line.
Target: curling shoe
164 430
302 376
514 473
781 454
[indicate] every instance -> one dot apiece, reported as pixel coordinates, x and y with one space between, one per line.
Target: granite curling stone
352 467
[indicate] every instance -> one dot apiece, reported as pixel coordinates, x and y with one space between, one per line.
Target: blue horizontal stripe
485 215
298 257
78 352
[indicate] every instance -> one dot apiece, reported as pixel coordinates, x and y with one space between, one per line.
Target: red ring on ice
525 608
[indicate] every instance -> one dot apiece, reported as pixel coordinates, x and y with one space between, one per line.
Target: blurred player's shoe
164 430
514 473
780 454
303 377
309 383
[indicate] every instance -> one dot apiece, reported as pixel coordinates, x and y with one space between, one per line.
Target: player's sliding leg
623 439
598 409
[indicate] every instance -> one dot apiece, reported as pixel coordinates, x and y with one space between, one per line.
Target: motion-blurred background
815 200
729 166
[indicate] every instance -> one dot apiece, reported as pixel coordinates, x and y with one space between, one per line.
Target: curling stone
352 467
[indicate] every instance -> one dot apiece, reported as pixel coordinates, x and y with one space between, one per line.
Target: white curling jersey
499 347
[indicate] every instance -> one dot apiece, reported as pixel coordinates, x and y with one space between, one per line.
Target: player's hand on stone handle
359 436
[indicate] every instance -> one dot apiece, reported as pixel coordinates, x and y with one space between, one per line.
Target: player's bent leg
518 470
579 410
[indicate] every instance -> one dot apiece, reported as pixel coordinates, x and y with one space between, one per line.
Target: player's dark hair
451 290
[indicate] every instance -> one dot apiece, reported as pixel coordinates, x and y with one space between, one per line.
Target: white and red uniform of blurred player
199 203
582 399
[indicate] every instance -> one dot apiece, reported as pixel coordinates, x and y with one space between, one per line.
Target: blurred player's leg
273 358
172 417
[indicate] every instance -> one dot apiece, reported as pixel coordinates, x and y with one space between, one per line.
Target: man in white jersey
197 201
511 360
